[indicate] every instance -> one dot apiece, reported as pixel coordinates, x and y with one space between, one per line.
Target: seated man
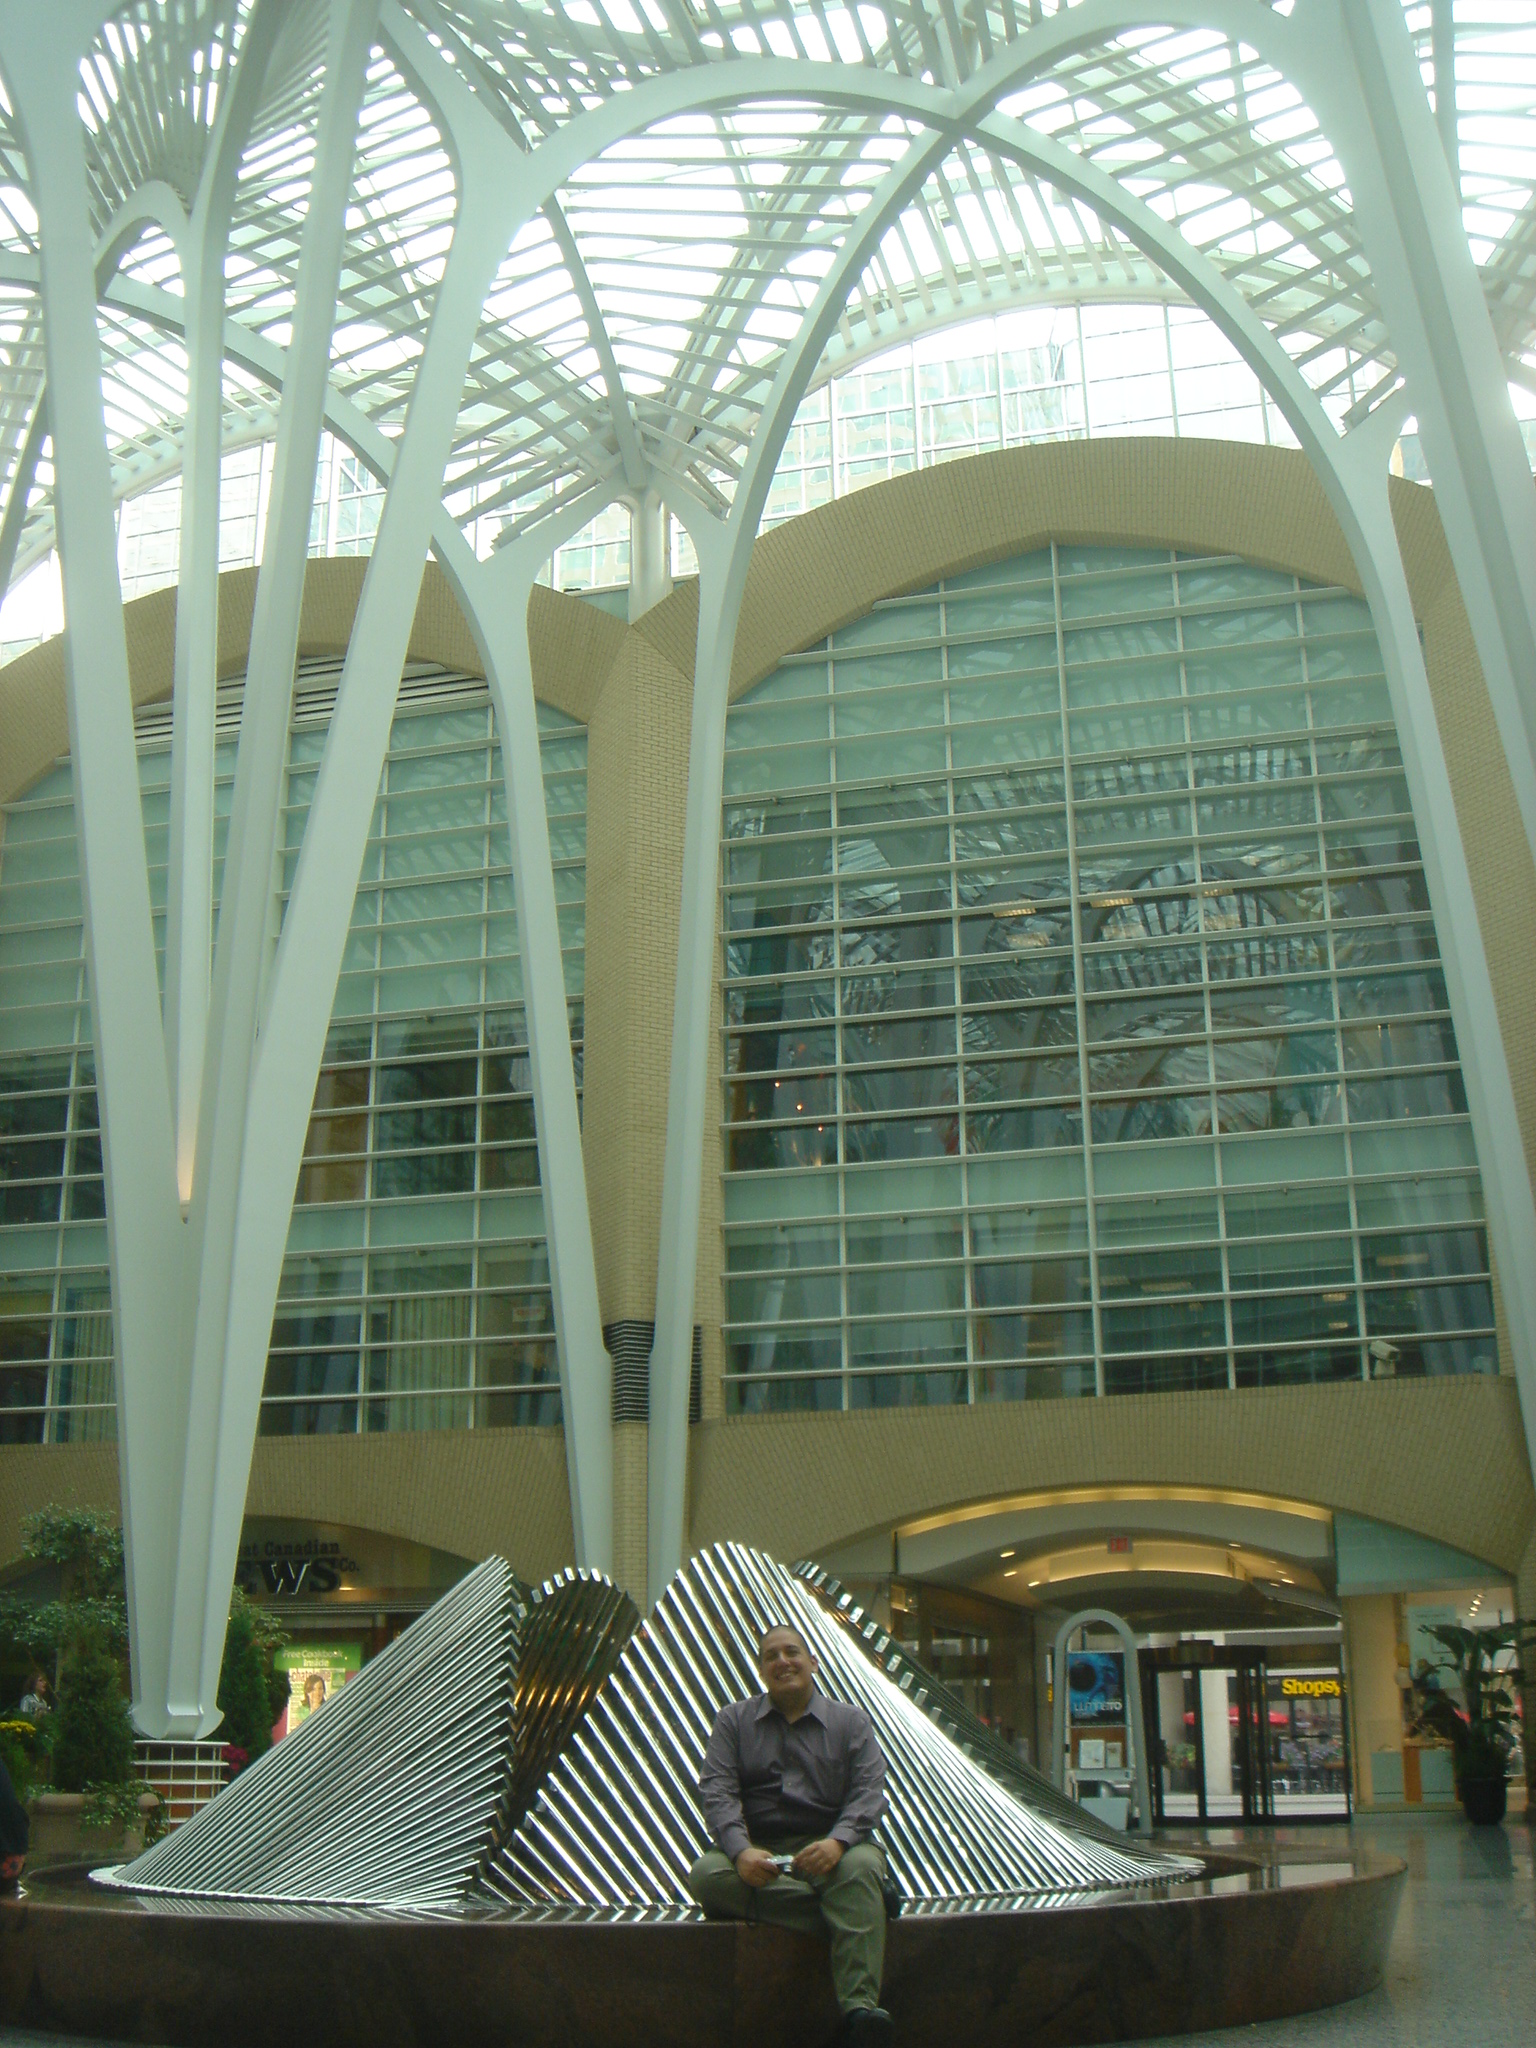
793 1786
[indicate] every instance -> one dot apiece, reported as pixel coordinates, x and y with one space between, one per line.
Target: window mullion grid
1082 375
963 1146
480 1064
997 367
1173 395
917 419
52 1408
1205 978
1079 1001
839 1065
365 1311
1333 991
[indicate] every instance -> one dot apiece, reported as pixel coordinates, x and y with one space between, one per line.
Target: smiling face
787 1668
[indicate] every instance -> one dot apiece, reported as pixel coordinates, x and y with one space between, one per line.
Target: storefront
1247 1734
341 1594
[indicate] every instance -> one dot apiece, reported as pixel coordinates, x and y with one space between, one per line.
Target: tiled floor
1462 1972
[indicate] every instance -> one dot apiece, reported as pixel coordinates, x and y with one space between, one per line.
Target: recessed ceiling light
1005 1553
1012 1572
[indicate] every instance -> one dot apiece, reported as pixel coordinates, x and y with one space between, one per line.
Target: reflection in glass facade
415 1294
1085 1028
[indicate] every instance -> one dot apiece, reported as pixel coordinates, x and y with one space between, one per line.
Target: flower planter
1483 1800
57 1832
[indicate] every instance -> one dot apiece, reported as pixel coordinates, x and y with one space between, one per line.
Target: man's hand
819 1859
757 1868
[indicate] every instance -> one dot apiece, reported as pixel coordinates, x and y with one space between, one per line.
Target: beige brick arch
1444 1458
573 644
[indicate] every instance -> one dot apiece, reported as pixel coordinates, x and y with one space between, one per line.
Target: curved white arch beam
1354 61
427 74
585 1381
724 552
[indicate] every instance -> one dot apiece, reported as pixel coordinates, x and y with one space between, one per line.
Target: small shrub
112 1809
19 1754
93 1735
245 1694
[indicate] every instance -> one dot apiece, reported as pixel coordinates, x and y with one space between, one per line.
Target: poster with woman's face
316 1671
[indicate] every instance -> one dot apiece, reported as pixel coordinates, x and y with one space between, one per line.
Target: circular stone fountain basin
1260 1936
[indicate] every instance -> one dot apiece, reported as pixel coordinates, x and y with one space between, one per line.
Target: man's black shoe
869 2027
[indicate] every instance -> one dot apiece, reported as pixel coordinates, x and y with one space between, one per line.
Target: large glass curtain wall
1085 1027
415 1293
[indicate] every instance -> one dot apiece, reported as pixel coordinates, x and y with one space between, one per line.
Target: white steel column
495 596
144 1229
650 569
209 1493
724 556
721 552
189 878
1423 271
296 1011
1501 1159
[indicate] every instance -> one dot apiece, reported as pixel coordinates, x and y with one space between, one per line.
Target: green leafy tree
90 1735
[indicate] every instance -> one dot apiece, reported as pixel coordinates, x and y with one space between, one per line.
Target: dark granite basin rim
1255 1939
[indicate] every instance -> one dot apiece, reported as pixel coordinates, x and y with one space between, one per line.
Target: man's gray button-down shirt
766 1778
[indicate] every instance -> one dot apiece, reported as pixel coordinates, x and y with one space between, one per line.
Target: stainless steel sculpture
617 1824
949 1711
392 1794
575 1629
542 1749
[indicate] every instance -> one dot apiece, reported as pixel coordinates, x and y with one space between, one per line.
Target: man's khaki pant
847 1905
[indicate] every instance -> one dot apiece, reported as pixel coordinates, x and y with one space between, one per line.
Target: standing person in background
38 1699
793 1787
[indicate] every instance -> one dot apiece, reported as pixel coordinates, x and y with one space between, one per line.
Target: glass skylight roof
636 324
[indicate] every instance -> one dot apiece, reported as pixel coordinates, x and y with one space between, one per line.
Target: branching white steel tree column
189 877
240 968
144 1232
296 1009
1410 218
495 596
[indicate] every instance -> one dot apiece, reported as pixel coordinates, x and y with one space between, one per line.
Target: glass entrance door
1238 1742
1308 1753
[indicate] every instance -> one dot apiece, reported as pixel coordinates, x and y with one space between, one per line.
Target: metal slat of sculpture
617 1823
574 1632
394 1793
950 1711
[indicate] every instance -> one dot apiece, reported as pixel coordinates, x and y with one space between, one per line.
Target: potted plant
1480 1729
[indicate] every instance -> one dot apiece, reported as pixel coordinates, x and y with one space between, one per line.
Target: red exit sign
1120 1546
